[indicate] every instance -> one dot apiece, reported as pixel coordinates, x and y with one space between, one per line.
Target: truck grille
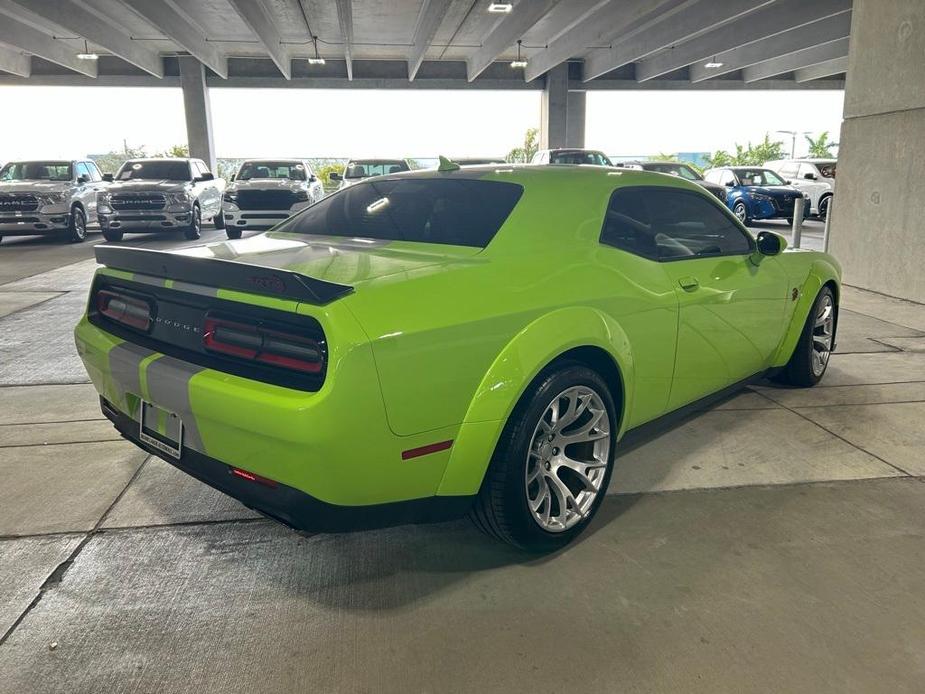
14 202
265 199
138 201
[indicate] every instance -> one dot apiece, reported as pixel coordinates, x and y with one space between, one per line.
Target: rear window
155 170
375 167
457 212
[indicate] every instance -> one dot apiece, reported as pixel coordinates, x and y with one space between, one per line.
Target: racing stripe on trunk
124 366
168 386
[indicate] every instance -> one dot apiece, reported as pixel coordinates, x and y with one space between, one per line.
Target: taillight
263 344
124 309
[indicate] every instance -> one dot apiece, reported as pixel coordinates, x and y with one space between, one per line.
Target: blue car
757 193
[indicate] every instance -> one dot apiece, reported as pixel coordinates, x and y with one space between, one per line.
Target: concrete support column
575 120
877 228
197 109
554 109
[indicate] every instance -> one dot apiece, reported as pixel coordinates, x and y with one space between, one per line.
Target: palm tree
821 147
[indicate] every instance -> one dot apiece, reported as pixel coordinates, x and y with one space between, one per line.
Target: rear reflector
251 477
124 309
261 344
426 450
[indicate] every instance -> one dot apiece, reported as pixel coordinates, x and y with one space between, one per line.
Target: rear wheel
112 234
77 227
233 233
553 462
808 363
741 211
194 230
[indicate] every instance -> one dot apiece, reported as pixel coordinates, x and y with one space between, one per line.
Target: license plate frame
169 440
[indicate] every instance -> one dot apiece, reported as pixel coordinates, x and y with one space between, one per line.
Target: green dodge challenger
424 345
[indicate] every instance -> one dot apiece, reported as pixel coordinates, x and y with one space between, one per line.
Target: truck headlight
300 195
181 198
51 198
759 197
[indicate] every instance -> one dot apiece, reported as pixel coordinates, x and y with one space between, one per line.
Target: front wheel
112 235
551 467
741 211
824 207
194 230
77 227
218 221
233 233
810 358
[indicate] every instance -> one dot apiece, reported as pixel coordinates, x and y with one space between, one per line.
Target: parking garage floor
775 542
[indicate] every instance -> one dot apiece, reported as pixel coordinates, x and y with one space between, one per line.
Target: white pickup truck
161 195
264 192
49 197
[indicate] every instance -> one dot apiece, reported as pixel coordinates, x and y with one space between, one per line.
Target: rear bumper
291 506
31 223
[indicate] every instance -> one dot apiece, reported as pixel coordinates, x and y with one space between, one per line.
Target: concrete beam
825 30
429 19
76 19
691 20
506 34
554 109
15 62
624 18
255 16
197 109
345 19
179 30
836 66
19 35
795 61
780 16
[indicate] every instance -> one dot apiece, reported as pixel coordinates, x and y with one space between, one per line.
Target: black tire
77 227
218 221
803 368
112 234
790 222
501 508
824 206
194 230
233 233
740 210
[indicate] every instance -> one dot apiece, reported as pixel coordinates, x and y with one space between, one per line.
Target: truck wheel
77 227
811 356
218 221
233 233
112 234
551 467
194 230
824 206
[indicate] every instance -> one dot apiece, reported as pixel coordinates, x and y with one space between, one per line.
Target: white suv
815 177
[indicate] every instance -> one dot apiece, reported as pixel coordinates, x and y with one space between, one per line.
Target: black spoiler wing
224 274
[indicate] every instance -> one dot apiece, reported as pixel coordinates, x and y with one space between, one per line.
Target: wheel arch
579 334
821 273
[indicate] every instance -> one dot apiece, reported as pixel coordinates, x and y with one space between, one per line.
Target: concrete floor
775 542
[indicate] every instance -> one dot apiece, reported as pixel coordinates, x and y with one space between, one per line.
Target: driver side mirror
83 178
810 176
770 243
334 176
204 177
107 177
312 178
729 184
231 179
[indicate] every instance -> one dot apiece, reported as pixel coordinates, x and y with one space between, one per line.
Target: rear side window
666 224
455 211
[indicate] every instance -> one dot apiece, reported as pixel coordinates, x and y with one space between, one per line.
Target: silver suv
49 197
161 195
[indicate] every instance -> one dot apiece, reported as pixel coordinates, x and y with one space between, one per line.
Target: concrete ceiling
620 44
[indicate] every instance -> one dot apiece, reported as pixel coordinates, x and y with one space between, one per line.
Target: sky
74 121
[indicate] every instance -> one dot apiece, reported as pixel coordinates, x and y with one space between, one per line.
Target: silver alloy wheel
823 326
80 225
568 458
740 212
824 207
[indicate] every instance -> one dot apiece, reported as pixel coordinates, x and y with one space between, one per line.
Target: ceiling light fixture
713 64
500 7
521 61
87 55
317 60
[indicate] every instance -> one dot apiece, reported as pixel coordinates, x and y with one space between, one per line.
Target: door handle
688 284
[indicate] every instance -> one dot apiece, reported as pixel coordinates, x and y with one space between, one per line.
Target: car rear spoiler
223 274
